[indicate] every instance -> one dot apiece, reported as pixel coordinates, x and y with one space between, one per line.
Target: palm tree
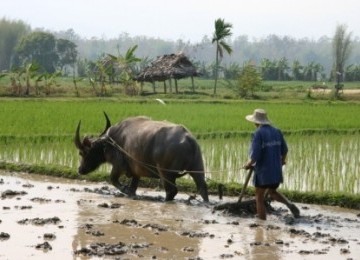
222 31
341 52
297 70
268 69
282 66
309 71
317 69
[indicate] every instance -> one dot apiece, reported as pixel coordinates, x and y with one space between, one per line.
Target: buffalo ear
86 142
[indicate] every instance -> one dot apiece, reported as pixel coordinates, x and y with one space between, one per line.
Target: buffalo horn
77 140
108 124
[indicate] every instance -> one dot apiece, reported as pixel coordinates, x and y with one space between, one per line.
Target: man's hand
249 165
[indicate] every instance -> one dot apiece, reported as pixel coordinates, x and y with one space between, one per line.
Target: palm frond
220 51
222 30
226 46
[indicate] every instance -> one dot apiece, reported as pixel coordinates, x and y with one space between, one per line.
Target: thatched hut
167 67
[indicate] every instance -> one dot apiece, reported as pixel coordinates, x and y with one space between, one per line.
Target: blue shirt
268 146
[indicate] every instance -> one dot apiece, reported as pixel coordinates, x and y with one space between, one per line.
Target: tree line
42 55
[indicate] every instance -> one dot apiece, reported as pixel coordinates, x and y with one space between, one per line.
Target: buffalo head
91 150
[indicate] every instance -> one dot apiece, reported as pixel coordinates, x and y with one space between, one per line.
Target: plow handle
245 184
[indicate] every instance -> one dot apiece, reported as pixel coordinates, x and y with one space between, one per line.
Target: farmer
267 154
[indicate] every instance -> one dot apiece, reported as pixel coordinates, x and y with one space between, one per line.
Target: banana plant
126 64
75 81
30 71
50 80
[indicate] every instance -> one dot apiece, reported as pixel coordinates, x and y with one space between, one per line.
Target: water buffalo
141 147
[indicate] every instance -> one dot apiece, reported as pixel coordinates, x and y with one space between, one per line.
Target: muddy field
51 218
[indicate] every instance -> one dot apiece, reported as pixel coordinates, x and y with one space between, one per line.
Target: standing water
50 218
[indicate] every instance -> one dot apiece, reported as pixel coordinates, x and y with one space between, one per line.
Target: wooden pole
192 84
245 185
170 82
176 86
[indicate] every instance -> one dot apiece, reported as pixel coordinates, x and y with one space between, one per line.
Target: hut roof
175 66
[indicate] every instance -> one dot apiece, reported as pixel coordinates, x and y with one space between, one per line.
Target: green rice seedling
58 117
224 158
324 162
316 163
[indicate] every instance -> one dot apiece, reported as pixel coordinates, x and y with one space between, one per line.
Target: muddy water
51 218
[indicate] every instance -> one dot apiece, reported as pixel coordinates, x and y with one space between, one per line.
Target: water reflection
264 247
162 225
138 222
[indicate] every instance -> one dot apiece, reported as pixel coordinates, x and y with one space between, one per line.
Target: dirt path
51 218
345 91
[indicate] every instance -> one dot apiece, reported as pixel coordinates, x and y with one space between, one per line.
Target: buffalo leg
200 185
170 187
114 179
133 186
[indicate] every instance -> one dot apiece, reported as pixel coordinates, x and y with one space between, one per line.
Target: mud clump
156 227
23 207
111 206
89 229
104 190
193 234
128 222
39 221
95 233
151 226
40 200
344 251
49 236
4 236
28 185
313 252
226 256
44 246
242 209
11 193
104 249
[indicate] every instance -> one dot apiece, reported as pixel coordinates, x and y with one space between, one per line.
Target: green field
29 117
203 90
323 137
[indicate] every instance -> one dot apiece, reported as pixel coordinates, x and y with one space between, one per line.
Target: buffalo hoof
126 190
170 196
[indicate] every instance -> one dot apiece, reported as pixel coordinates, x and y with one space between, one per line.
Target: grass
33 117
269 90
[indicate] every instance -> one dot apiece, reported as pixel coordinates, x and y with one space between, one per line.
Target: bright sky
186 19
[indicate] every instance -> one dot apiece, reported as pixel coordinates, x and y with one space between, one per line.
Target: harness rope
151 168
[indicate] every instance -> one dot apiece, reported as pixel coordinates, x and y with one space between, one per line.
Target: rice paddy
323 138
316 163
